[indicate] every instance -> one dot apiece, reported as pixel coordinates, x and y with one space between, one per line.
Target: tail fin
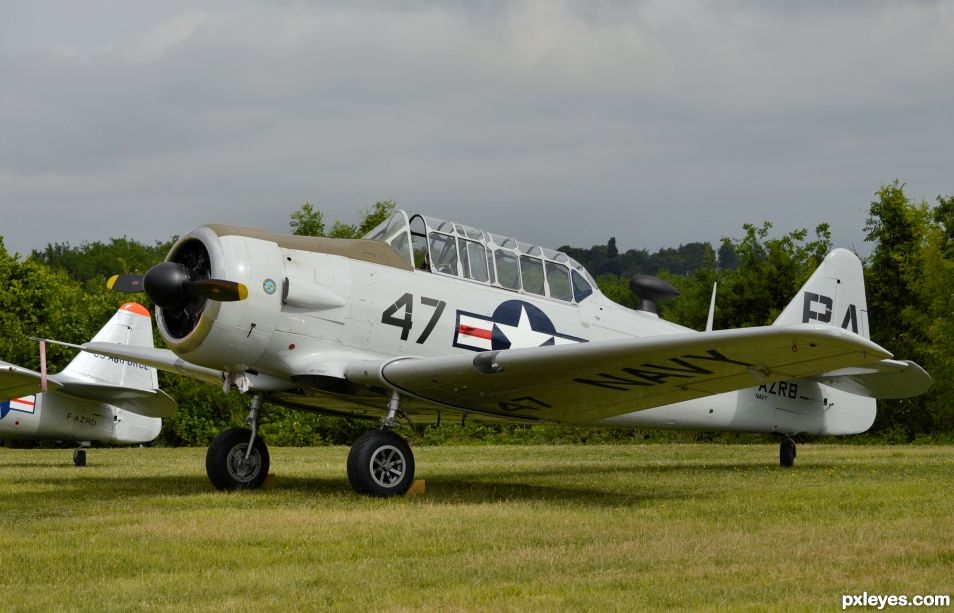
833 295
131 325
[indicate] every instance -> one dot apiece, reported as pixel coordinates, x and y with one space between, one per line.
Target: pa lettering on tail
834 295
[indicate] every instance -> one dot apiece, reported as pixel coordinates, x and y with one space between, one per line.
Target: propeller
181 287
171 286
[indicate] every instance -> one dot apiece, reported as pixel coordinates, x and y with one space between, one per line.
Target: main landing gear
238 457
786 452
380 462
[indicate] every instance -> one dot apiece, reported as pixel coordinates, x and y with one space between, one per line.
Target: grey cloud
558 122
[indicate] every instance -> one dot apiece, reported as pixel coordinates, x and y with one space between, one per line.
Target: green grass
500 528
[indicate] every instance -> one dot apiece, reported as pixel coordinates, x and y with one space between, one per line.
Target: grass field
499 528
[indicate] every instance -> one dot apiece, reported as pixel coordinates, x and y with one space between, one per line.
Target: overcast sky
555 121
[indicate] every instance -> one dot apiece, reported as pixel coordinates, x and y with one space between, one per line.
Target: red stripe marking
22 401
478 332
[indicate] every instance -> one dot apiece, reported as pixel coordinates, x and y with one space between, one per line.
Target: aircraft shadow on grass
446 487
463 489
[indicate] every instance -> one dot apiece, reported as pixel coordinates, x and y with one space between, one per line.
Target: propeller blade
126 284
219 290
170 286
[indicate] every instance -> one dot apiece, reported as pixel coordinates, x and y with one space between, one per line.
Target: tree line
59 292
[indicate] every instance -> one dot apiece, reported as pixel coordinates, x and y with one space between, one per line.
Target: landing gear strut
786 452
380 462
238 458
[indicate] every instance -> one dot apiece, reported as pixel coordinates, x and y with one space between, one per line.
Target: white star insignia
523 334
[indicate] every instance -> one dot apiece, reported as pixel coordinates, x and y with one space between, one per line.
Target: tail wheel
226 463
786 452
380 464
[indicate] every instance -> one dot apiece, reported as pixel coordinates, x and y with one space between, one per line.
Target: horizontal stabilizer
884 380
148 403
17 382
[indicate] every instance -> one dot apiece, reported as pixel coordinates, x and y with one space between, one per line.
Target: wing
884 380
163 359
584 382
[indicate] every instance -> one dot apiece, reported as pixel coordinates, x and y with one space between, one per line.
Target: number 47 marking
406 303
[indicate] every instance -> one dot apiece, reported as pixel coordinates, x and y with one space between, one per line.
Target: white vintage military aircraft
431 320
95 398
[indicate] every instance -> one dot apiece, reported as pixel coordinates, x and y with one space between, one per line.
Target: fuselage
69 419
315 306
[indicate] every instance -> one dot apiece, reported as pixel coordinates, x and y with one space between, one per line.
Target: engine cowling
228 336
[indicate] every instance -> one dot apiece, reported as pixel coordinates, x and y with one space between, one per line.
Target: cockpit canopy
448 248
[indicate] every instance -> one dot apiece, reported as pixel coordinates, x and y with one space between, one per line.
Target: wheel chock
416 488
269 482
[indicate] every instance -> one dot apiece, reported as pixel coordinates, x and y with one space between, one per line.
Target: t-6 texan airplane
430 320
95 398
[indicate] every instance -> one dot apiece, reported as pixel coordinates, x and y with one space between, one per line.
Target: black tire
225 461
786 452
380 463
79 457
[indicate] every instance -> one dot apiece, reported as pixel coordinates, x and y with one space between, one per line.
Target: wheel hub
241 469
387 466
